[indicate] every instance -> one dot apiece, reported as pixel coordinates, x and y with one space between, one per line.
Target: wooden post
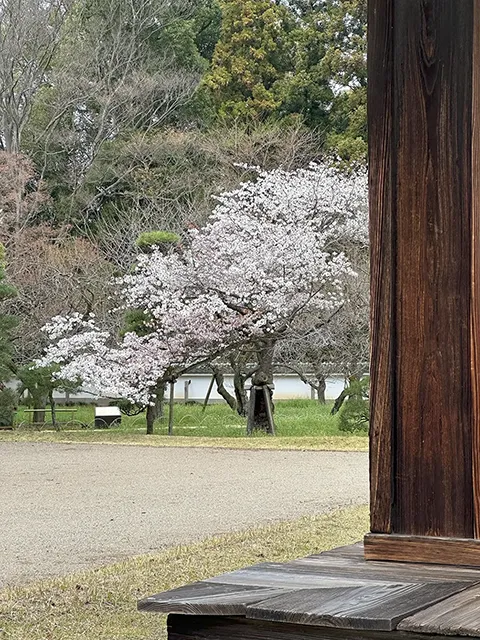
267 394
207 397
171 406
424 127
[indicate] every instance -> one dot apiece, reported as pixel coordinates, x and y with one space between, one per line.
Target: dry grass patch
302 443
101 604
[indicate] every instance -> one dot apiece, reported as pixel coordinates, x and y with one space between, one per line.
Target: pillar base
422 549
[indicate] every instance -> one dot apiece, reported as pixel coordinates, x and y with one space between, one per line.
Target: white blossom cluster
269 252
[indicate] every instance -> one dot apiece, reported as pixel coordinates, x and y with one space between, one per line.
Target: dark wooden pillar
424 119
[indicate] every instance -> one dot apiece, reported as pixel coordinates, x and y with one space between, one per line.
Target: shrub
151 239
8 405
355 411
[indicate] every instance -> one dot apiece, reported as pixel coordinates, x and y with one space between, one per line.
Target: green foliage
345 64
8 404
355 408
294 60
40 383
207 24
251 56
150 239
135 321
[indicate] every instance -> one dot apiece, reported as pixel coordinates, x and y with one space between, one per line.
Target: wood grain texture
375 607
382 241
475 304
424 100
371 570
348 551
423 549
227 628
292 577
330 590
433 72
457 615
207 598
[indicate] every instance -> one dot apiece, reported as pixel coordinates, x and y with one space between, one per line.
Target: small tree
41 383
353 406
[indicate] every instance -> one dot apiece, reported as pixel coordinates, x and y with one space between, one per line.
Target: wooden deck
333 595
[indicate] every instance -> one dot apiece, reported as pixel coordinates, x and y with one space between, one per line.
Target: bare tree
167 180
76 75
21 195
315 350
30 34
110 78
55 274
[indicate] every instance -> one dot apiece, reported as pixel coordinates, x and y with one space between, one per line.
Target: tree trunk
239 387
155 411
52 409
322 387
260 413
220 380
39 405
151 417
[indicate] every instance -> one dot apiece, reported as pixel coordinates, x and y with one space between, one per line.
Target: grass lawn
101 604
301 424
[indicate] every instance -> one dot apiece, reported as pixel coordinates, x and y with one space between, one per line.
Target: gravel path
68 507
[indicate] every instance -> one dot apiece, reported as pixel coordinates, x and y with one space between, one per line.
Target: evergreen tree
252 55
346 64
333 58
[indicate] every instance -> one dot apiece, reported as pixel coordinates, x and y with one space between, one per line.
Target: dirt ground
69 507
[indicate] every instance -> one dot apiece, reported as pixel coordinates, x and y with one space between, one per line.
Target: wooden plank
384 571
285 580
398 548
348 551
230 628
475 305
433 73
382 238
207 598
459 615
292 576
376 607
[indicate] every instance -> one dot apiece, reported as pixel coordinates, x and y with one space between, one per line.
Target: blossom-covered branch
271 251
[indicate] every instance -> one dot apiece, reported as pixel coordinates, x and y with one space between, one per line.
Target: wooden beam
382 240
423 549
424 128
475 309
181 627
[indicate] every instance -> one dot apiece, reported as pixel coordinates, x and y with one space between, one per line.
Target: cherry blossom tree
269 255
